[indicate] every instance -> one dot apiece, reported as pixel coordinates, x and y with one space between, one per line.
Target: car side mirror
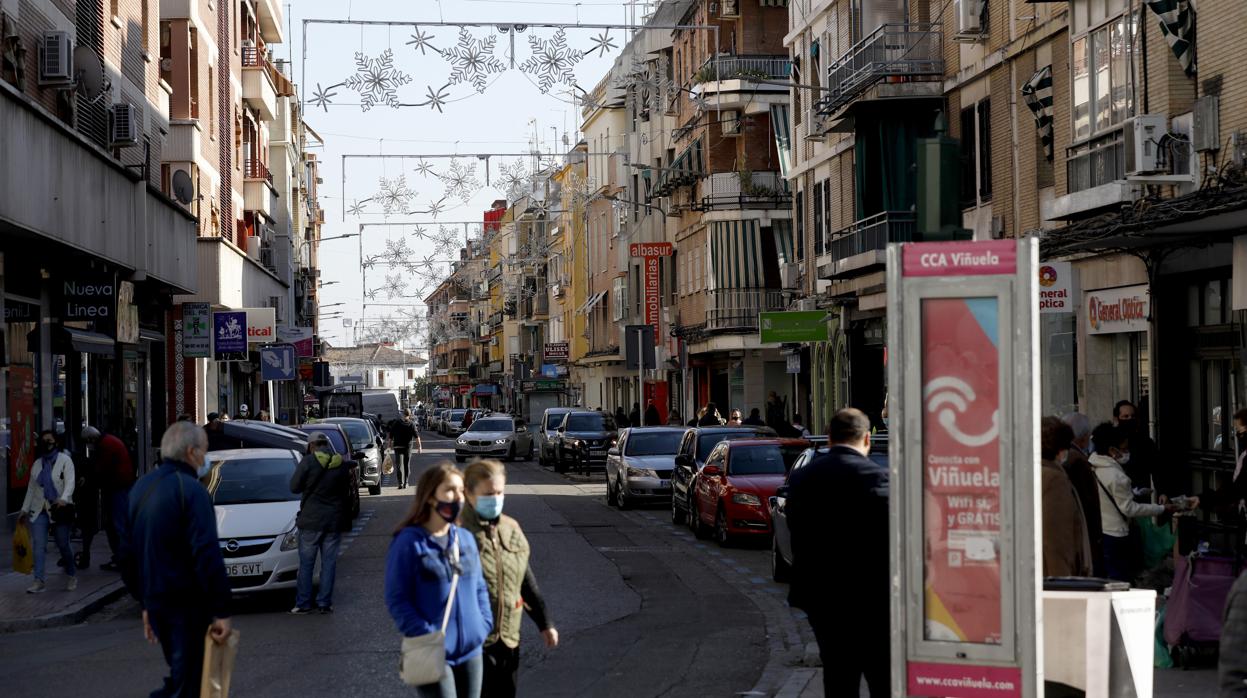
358 455
711 471
370 445
683 459
782 491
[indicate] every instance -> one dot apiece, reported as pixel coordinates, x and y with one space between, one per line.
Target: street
643 609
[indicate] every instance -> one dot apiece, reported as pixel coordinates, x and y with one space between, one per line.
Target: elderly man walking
113 474
171 559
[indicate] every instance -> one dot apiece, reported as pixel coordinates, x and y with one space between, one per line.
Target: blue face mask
489 506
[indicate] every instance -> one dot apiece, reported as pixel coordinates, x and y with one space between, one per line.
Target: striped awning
782 230
1038 95
1177 23
736 255
592 301
783 137
685 169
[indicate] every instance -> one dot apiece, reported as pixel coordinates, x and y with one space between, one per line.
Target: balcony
861 246
269 14
258 90
744 82
257 187
739 190
895 53
736 310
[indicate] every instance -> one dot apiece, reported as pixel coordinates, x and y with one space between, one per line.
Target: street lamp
329 305
338 237
328 283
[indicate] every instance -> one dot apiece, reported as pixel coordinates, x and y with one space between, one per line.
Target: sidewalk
807 682
21 611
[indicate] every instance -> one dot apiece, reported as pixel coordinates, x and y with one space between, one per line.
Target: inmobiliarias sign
650 254
961 469
1112 310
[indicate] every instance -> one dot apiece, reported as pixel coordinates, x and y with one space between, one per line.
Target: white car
495 437
255 512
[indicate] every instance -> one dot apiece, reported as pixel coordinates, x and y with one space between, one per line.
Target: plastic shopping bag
387 465
1157 542
23 551
218 666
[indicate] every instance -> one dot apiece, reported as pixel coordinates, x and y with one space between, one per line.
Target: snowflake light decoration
323 97
394 194
446 242
552 61
513 180
421 41
473 60
397 251
377 80
436 208
460 180
394 285
603 43
423 168
356 207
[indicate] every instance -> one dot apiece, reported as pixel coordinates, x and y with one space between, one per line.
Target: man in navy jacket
837 510
171 559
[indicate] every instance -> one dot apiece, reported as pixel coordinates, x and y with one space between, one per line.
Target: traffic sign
278 363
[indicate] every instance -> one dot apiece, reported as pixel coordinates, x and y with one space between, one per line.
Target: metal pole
272 405
640 365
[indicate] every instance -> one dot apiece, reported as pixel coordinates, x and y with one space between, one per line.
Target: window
638 290
619 298
976 154
818 218
799 225
827 213
1102 87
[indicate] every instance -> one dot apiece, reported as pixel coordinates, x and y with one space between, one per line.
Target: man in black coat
841 580
324 480
403 432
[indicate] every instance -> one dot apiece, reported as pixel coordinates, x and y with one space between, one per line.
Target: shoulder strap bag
424 656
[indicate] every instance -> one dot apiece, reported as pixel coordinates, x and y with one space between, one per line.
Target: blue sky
510 116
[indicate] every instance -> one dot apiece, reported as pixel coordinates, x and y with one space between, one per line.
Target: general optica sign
1112 310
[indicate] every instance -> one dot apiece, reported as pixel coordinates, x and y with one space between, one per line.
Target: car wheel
530 452
700 529
721 535
374 490
781 571
610 494
690 514
621 497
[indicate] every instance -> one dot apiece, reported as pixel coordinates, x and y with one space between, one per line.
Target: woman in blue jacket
418 574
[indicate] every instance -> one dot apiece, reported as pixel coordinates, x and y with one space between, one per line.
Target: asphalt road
643 608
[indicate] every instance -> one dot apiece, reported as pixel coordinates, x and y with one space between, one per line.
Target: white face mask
1123 459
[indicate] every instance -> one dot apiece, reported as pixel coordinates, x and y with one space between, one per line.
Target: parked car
255 513
583 439
341 445
781 541
733 489
696 446
454 422
639 468
550 422
365 448
250 433
495 437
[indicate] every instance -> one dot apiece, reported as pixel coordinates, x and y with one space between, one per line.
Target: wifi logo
948 397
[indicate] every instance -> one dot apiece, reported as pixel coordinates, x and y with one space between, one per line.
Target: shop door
135 416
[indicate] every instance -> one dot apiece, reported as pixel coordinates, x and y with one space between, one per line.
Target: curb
70 616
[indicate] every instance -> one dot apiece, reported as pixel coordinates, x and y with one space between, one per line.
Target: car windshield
358 433
707 442
456 415
251 480
770 459
553 420
653 443
491 425
589 421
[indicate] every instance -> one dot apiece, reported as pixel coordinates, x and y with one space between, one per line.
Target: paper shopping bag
387 465
23 553
218 666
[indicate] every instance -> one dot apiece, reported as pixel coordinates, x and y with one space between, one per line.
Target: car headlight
746 499
577 443
501 441
290 540
462 442
641 472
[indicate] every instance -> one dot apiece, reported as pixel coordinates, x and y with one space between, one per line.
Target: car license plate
598 452
244 569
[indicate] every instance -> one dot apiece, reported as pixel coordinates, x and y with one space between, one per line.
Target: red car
731 492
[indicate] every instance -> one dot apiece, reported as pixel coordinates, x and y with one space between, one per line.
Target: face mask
448 510
489 506
885 422
1123 459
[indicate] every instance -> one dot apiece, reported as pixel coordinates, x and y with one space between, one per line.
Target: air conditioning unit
275 303
728 8
557 291
123 125
1143 136
729 121
56 59
970 19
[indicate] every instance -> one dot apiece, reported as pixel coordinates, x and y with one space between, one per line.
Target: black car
582 440
697 444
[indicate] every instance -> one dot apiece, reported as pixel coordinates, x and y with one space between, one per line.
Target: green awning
782 230
783 137
736 255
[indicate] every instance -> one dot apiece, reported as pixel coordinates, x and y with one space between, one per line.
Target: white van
382 403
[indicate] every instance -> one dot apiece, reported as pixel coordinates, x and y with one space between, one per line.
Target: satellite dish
89 72
183 187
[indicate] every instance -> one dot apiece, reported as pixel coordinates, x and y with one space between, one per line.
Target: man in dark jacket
1083 478
402 433
171 559
848 612
324 480
113 474
754 419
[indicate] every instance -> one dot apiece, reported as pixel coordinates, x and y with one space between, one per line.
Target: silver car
638 469
495 437
550 422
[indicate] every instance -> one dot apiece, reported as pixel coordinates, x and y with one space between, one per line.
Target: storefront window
1130 368
1058 362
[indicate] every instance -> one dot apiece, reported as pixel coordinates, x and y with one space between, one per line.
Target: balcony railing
252 58
744 68
745 190
253 168
737 309
1096 162
891 51
873 233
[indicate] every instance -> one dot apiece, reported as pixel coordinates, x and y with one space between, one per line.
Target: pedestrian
429 559
113 472
710 416
171 559
1117 502
848 612
621 418
1082 476
754 419
1066 547
1232 662
508 576
1144 468
652 417
402 433
243 412
49 505
799 427
468 416
324 481
262 416
775 411
634 417
217 440
674 419
733 418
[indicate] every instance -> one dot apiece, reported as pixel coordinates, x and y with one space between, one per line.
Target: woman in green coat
504 561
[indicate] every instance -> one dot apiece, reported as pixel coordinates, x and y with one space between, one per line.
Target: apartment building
92 246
